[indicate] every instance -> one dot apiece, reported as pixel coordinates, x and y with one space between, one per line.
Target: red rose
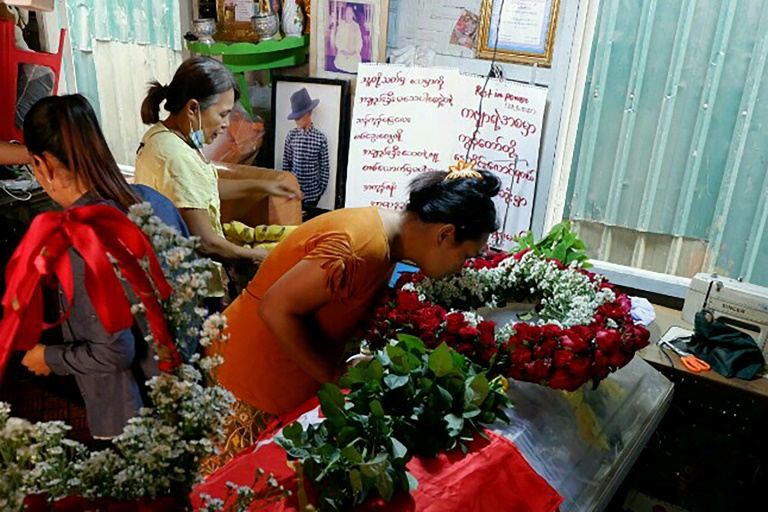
427 320
583 332
517 372
571 340
623 303
429 339
408 301
527 332
539 370
513 342
519 255
550 331
609 340
620 359
469 332
465 348
580 368
637 335
488 355
487 333
449 339
454 322
562 358
520 356
600 364
544 349
559 264
561 379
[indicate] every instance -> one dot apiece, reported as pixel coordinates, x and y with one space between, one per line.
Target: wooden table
710 449
666 318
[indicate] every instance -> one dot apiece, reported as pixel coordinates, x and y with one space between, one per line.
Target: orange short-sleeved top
353 250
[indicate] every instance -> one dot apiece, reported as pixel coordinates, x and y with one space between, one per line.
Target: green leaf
477 389
293 432
376 408
296 453
445 395
412 343
351 454
331 401
455 424
413 484
399 450
356 481
396 357
471 411
346 436
373 468
385 485
440 361
393 381
375 371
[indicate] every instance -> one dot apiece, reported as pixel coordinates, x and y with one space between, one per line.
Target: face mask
198 137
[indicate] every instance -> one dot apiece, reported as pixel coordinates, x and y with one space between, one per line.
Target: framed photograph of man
346 34
310 123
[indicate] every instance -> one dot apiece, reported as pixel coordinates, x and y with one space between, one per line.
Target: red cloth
492 476
95 231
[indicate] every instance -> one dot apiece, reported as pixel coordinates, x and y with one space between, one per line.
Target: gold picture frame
527 38
371 15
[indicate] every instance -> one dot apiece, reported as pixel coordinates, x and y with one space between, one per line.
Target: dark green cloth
729 351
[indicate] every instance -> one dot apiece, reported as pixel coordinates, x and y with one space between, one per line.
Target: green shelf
266 55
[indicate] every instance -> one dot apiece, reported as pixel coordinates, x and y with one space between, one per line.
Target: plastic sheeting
584 443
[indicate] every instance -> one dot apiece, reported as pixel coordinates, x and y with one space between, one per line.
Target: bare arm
288 307
242 181
230 171
242 189
213 245
14 154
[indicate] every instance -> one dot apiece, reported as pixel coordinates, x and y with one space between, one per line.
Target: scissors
690 361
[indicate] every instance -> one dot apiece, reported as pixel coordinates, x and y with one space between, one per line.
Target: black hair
198 78
66 127
466 203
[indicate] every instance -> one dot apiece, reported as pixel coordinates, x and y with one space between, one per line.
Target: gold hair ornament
462 170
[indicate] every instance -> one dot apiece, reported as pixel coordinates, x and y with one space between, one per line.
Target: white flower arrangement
160 451
567 297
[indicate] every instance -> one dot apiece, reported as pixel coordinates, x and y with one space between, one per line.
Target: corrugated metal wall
118 46
669 172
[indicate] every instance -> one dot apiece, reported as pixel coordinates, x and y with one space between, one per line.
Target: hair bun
489 185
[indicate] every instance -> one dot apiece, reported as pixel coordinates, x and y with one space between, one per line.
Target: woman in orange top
289 328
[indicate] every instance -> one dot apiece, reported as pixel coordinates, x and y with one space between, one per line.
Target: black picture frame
333 119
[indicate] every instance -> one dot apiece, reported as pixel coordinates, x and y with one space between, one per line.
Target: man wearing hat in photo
306 149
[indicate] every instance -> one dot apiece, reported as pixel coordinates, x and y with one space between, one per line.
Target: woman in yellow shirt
199 100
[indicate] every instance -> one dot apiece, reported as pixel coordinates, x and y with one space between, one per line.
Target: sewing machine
729 299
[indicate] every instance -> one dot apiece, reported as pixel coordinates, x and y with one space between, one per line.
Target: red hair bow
95 231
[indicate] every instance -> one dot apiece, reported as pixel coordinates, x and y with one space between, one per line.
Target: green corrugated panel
126 21
154 22
672 138
652 200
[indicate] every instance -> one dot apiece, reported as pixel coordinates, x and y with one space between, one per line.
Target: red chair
10 58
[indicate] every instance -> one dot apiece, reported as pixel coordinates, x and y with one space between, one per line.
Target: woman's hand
258 255
34 360
285 188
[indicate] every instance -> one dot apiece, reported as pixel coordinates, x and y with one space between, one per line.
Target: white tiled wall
430 22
